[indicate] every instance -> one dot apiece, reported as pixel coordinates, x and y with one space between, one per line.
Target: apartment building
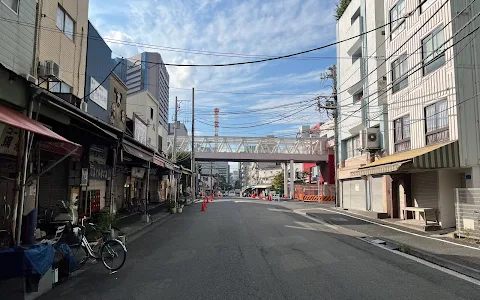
61 54
363 130
145 72
422 116
142 108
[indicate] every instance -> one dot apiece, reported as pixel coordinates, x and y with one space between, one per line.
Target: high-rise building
146 72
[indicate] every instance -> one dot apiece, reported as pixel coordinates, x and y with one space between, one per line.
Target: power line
422 63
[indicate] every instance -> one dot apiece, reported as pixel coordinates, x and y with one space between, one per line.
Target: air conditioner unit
50 69
31 79
370 138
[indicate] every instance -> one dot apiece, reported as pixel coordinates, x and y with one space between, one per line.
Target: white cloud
265 27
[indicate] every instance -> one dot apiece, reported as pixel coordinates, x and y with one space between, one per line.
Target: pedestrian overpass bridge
253 149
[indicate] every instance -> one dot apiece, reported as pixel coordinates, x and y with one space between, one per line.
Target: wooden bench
423 210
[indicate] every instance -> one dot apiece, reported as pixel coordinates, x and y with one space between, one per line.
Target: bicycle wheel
113 254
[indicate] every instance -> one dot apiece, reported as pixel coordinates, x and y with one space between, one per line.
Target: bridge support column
285 180
292 180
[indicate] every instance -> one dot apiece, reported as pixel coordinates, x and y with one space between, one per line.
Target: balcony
354 30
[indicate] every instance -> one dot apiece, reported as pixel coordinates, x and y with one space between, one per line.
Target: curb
131 236
459 268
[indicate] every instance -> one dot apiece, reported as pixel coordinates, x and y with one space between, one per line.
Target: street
259 250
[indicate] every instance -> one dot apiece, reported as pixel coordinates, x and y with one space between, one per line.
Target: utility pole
193 187
174 151
333 105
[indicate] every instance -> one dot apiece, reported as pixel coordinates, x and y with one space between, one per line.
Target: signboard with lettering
98 93
98 154
139 130
98 171
9 137
61 148
138 172
84 179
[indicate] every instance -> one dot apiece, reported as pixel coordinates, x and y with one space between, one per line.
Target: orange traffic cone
260 197
211 198
203 206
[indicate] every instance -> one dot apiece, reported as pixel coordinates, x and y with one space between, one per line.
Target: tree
341 6
278 182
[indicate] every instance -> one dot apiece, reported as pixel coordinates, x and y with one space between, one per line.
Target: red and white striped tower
216 123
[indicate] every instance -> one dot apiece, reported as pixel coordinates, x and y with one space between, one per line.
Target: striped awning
446 156
438 156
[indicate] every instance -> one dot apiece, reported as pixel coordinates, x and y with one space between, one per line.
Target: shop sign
139 130
98 93
101 172
98 154
9 137
138 172
61 148
84 180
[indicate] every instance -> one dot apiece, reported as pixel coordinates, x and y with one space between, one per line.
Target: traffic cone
203 206
211 198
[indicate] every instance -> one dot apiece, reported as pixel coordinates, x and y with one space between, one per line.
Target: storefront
423 178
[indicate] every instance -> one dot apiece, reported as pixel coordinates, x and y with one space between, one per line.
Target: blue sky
248 28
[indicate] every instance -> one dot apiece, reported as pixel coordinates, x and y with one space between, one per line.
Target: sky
252 97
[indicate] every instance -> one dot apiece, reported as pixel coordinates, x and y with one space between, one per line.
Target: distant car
231 194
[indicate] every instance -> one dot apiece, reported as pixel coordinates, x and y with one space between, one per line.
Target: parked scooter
68 213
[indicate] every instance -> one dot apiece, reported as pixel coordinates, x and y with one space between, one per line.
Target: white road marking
299 211
280 210
400 230
298 227
428 264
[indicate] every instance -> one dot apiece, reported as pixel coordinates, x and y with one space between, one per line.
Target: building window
65 23
151 113
425 5
401 133
397 19
358 97
353 146
433 51
59 87
399 73
12 4
436 123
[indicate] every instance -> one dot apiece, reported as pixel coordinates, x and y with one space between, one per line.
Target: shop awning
159 161
72 111
137 151
445 155
16 119
264 186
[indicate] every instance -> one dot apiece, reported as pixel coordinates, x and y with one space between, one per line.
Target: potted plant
180 208
173 207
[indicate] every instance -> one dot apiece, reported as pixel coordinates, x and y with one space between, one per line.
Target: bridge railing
259 145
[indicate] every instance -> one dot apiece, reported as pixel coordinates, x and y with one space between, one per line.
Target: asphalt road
259 251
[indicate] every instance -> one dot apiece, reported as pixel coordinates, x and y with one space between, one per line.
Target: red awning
16 119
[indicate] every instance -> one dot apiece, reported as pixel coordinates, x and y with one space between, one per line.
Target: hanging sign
98 154
9 137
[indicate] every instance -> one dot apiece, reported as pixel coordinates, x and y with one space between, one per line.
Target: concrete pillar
292 179
472 177
285 180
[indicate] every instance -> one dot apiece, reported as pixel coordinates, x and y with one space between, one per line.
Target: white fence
467 210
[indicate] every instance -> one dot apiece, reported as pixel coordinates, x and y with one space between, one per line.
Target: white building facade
361 81
424 160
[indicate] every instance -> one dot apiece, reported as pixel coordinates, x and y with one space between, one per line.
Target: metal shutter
53 185
425 191
377 194
357 194
346 194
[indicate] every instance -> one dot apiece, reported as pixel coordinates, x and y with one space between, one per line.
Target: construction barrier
310 193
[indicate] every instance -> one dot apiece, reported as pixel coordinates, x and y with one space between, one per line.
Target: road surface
259 251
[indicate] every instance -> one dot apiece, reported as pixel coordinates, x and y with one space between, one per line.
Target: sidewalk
458 256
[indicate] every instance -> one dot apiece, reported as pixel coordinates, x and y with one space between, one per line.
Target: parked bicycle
111 252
